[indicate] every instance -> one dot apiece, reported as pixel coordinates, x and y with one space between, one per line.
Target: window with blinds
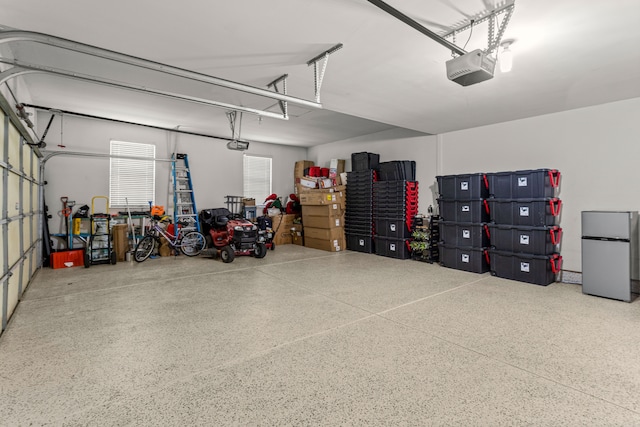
256 177
132 181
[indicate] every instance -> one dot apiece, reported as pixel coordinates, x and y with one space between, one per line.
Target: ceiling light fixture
506 56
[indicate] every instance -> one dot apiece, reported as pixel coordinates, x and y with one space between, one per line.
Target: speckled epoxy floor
305 337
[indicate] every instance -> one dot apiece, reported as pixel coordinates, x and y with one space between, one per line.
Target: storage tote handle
556 263
554 178
486 255
556 235
556 205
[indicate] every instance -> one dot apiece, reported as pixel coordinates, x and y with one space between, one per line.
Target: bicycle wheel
192 243
144 248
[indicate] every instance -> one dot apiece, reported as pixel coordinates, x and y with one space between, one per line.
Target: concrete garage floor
305 337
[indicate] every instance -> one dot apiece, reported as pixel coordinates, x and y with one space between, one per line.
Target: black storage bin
463 187
364 161
532 212
395 200
464 234
464 258
527 184
397 170
394 212
393 248
398 185
390 188
353 216
543 240
359 227
358 218
366 176
392 228
360 243
464 210
359 186
359 199
536 269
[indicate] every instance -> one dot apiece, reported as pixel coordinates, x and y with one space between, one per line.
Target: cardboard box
324 196
288 234
324 233
249 202
336 168
298 235
120 241
335 245
334 210
332 189
283 220
298 170
322 221
309 182
283 236
325 182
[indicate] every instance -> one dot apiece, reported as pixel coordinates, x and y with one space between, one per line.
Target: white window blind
132 181
257 177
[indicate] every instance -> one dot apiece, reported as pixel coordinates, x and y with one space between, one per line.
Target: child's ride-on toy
231 234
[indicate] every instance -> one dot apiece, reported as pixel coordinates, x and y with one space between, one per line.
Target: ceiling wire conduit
8 36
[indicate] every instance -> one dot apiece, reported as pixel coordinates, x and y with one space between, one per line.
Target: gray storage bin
463 186
529 184
464 234
532 212
543 240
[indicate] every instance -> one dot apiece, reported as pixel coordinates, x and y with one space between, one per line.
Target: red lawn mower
231 234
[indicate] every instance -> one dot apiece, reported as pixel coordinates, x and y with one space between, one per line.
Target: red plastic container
314 171
64 259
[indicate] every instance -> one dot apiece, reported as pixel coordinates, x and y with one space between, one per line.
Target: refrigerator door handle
606 239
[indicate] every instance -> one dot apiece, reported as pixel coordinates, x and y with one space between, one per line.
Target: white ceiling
568 54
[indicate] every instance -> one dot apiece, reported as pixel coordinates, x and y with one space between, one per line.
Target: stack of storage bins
359 225
464 214
525 232
395 201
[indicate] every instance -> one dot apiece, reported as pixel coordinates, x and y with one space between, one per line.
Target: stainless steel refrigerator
609 253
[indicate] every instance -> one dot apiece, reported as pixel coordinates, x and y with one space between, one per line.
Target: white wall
395 144
597 150
216 171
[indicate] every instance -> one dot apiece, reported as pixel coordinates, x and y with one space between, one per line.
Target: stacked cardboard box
298 174
323 218
306 181
336 168
286 230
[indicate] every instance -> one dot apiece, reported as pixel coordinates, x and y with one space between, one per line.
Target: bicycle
191 243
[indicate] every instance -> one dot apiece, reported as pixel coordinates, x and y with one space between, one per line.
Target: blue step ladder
184 202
